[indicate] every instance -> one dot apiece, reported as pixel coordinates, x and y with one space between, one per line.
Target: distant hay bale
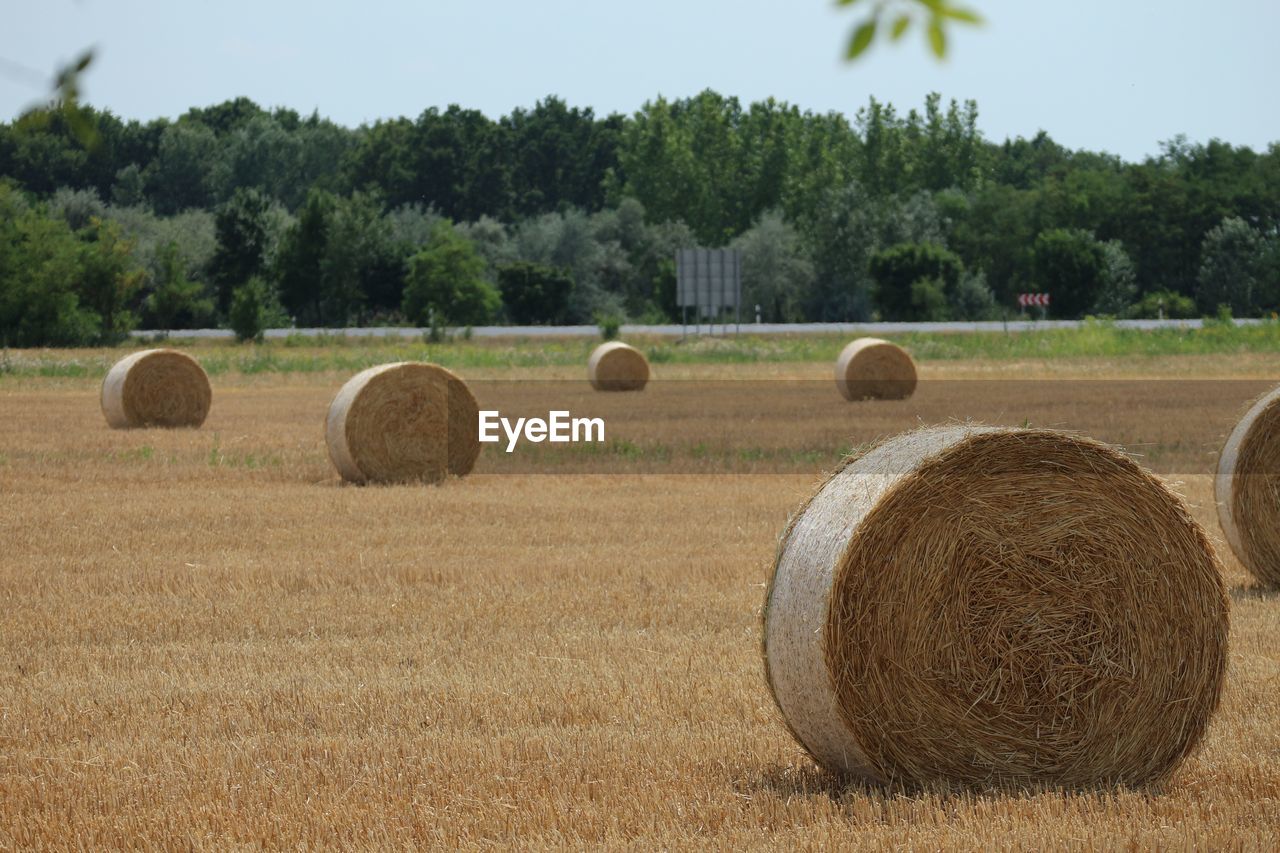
156 387
869 368
1247 488
615 366
403 422
975 605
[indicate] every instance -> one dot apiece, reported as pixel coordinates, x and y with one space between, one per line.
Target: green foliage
130 188
248 315
175 302
610 325
1163 304
916 281
1070 265
181 174
445 283
811 197
64 104
777 274
1119 281
299 263
59 288
241 226
361 265
1232 270
972 299
107 280
78 207
39 261
533 293
340 258
934 16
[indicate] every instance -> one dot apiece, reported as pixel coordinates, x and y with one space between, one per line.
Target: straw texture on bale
1247 488
615 366
156 387
870 368
986 606
403 422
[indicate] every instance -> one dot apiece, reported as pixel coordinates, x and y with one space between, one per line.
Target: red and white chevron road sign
1041 299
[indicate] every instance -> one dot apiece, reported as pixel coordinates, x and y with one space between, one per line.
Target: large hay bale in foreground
402 422
615 366
1247 488
870 368
975 605
156 387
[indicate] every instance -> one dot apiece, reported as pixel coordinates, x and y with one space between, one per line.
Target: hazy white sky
1118 76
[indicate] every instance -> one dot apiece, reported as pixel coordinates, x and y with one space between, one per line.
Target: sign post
709 281
1040 300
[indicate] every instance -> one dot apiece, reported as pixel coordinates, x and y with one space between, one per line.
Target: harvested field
209 641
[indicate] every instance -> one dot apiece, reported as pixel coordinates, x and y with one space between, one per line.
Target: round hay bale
616 366
976 605
1247 488
402 422
156 387
870 368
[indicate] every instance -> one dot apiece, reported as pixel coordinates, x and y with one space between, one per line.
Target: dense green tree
39 261
181 175
640 258
260 155
612 199
382 160
42 156
59 287
1119 281
193 233
248 316
362 266
492 240
654 164
339 261
915 281
776 272
972 298
1071 267
242 235
848 228
533 293
568 241
79 208
174 301
226 117
130 187
107 279
560 156
1024 164
1231 269
445 284
299 264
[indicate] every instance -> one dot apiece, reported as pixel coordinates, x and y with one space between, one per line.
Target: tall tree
1231 269
299 264
241 226
445 284
1070 266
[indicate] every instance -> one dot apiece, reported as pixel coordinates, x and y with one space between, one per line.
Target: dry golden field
209 642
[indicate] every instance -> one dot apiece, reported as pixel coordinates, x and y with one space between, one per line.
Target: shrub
610 325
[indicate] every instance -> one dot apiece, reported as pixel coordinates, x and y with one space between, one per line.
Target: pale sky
1116 76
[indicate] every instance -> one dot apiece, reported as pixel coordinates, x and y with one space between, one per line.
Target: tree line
241 216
